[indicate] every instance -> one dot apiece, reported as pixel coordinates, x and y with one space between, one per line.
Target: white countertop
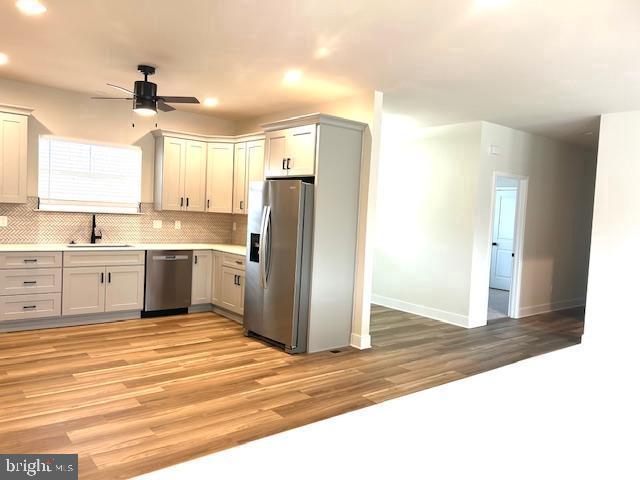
47 247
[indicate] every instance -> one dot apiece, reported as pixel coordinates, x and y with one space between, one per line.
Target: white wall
72 114
426 189
558 219
434 219
612 313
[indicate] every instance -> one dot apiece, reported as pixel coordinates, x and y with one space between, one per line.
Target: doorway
503 246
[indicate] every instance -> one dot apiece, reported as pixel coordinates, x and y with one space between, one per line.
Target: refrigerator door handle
261 247
265 255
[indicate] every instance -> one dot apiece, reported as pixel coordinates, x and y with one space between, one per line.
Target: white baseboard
434 313
70 321
550 307
361 342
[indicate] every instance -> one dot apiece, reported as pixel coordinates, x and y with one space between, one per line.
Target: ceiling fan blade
110 98
178 99
120 88
164 107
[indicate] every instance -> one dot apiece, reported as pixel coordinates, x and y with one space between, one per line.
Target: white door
201 277
216 278
13 158
301 151
220 178
83 290
276 147
173 173
232 290
124 288
195 176
255 166
239 178
504 222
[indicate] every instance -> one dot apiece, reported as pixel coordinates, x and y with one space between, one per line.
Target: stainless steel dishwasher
167 280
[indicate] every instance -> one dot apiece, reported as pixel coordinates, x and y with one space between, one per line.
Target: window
77 176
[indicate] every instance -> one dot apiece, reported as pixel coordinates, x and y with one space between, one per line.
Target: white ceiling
545 66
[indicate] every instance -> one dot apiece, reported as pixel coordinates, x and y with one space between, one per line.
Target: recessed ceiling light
292 76
491 3
322 52
31 7
3 58
210 102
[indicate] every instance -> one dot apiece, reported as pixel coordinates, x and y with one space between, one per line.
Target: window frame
80 206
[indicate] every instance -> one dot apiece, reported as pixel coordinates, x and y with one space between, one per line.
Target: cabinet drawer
18 307
30 259
30 280
96 259
233 261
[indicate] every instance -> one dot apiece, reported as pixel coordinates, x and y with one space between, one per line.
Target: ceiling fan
146 101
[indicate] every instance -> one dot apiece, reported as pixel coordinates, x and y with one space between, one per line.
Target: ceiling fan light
145 111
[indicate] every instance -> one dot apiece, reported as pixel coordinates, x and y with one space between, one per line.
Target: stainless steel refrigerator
278 267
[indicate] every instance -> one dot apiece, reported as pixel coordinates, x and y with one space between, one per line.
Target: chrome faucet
95 236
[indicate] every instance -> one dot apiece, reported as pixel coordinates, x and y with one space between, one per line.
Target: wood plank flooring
135 396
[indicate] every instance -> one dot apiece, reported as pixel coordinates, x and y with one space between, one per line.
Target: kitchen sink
99 245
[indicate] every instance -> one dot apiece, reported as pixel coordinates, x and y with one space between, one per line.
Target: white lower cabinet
232 290
124 289
216 277
23 307
83 290
88 290
201 276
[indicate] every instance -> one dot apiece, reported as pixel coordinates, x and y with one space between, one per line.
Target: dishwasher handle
170 258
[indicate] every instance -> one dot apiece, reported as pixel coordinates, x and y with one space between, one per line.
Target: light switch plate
3 221
178 225
494 150
157 224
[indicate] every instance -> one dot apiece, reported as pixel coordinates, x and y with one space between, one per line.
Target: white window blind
77 176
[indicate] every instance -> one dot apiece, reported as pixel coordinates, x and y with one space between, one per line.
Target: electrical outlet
234 226
178 225
3 221
157 224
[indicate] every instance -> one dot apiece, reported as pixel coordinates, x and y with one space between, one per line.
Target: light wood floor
136 396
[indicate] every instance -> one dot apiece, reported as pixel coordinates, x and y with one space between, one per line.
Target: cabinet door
195 176
216 279
13 158
83 290
124 288
301 151
173 159
220 178
275 145
239 178
201 277
232 290
255 166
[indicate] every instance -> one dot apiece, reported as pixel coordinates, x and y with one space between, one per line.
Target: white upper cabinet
13 157
248 167
171 174
180 182
197 173
291 152
195 176
239 178
220 178
276 153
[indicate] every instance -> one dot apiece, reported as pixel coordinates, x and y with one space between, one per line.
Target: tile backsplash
26 225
